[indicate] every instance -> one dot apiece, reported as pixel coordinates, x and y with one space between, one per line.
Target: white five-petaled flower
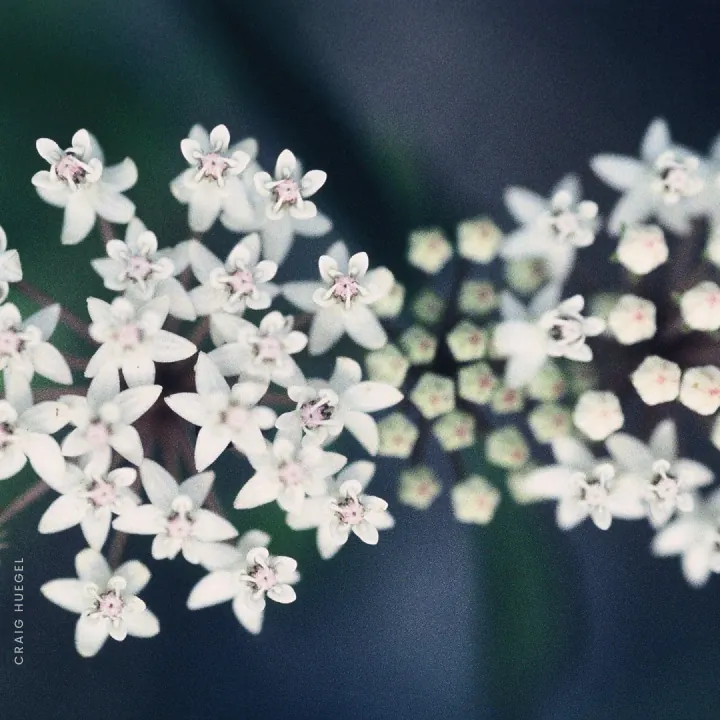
175 515
212 184
345 510
665 183
79 182
665 481
642 248
262 352
89 496
245 574
224 414
632 320
106 601
598 414
657 380
132 339
341 303
243 281
103 419
136 267
10 267
287 472
324 408
700 306
551 229
700 389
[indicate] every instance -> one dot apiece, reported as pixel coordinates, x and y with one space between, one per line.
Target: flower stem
106 230
27 498
71 321
116 549
201 332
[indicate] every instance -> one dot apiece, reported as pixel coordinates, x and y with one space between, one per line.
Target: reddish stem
107 231
116 549
27 498
201 332
71 321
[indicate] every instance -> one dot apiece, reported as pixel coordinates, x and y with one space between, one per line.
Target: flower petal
159 485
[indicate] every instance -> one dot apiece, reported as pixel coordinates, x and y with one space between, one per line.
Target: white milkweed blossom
551 229
246 574
632 320
665 183
10 267
224 414
288 471
132 339
211 185
344 511
700 306
324 408
89 496
657 380
79 182
666 482
341 303
700 389
598 414
106 601
175 515
642 248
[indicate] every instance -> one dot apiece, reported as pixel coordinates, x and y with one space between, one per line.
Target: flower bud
474 500
387 365
700 306
656 380
419 345
548 384
397 436
429 250
477 297
467 341
391 304
632 320
700 389
642 248
549 421
428 307
598 414
479 240
477 383
507 400
418 487
455 431
507 448
434 395
526 275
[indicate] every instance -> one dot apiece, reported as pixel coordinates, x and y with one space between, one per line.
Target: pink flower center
236 417
315 414
263 576
128 336
287 192
350 511
71 169
179 525
97 434
9 342
344 288
241 282
291 474
213 166
101 493
139 267
267 349
110 605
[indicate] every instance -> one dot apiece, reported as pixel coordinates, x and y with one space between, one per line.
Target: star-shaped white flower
288 472
342 301
225 415
344 511
89 496
665 183
79 182
175 515
212 184
246 574
324 408
10 267
132 339
106 601
666 482
551 229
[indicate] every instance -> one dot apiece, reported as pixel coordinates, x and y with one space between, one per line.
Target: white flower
132 339
106 601
419 487
324 408
246 574
225 415
632 320
657 380
175 516
429 250
103 419
346 510
341 303
243 281
666 482
474 501
288 471
212 184
642 248
10 267
598 414
551 229
89 496
79 182
259 353
289 189
664 183
136 267
700 389
700 306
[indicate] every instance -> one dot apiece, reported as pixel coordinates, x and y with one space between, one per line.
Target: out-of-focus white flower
598 414
549 384
346 510
89 496
419 345
477 297
467 341
476 383
428 306
398 436
418 487
246 574
667 482
103 419
212 184
551 229
700 306
225 415
106 601
429 250
433 395
175 515
507 448
455 430
479 240
700 389
392 304
664 183
632 320
342 301
642 248
79 182
549 421
657 380
474 500
387 365
243 281
287 472
10 267
324 408
132 339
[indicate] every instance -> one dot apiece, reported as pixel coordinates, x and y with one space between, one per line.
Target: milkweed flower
10 266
